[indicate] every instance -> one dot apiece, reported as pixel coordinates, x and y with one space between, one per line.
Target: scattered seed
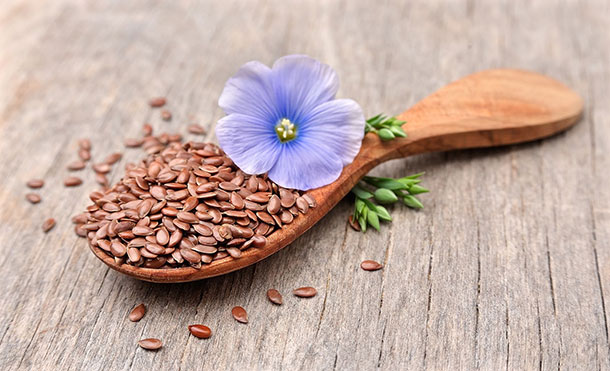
137 313
72 181
133 142
196 129
76 165
113 158
150 344
35 183
166 115
48 225
200 331
240 314
102 168
352 223
33 197
84 154
370 265
157 102
84 144
274 296
305 292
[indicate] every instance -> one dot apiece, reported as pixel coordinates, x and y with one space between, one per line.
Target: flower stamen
286 130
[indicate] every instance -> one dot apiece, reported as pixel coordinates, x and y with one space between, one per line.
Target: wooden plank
508 266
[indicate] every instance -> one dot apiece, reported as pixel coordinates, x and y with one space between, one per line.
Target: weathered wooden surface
508 267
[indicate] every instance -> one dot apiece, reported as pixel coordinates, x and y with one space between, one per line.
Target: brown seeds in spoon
274 296
305 292
370 265
150 344
240 314
200 331
137 313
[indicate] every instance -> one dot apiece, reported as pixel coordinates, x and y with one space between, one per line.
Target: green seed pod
386 134
397 131
382 213
385 196
417 189
373 219
413 202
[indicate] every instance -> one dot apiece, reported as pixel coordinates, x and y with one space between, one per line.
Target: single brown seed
166 115
353 223
310 200
113 158
190 255
196 129
150 344
162 236
274 296
35 183
259 241
118 249
76 165
370 265
305 292
137 313
200 331
84 154
102 168
240 314
274 205
133 142
84 144
72 181
302 205
142 231
48 225
157 102
33 197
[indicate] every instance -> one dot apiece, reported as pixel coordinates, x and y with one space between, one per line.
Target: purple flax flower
286 121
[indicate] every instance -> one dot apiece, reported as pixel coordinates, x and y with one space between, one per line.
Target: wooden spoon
489 108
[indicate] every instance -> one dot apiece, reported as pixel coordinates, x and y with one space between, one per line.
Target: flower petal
249 141
250 92
301 83
338 125
303 165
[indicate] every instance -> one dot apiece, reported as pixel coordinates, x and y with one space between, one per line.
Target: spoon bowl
486 109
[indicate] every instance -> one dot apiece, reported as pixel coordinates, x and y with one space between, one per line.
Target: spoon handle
485 109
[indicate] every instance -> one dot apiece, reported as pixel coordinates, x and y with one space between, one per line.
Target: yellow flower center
286 130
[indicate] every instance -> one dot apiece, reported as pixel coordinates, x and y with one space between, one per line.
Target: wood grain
507 267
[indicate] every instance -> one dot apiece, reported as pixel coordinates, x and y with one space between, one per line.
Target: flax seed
137 313
240 314
274 296
150 344
305 292
76 165
35 183
33 198
157 102
73 181
48 225
200 331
